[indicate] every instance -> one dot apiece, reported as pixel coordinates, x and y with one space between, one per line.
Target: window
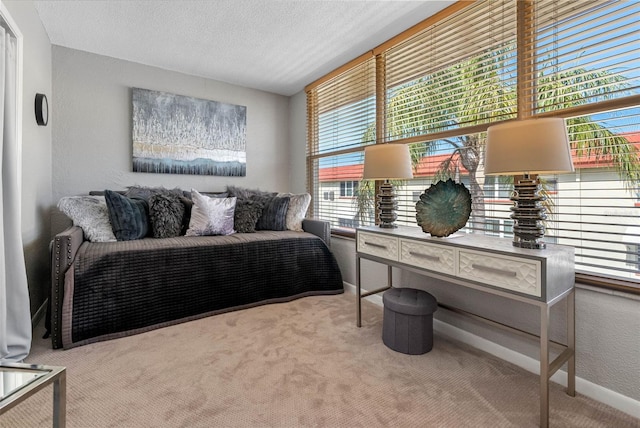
329 196
348 188
441 84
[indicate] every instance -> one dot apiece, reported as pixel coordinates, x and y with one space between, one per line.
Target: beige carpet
297 364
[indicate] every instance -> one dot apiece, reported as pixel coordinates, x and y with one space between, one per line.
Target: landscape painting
174 134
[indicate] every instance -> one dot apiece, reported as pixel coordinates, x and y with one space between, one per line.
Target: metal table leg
358 293
60 401
571 343
544 366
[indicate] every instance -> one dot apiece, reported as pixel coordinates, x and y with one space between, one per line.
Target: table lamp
387 162
524 147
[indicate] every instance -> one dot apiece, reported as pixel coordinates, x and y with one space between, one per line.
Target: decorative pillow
142 192
91 214
249 206
128 216
298 205
253 194
188 203
246 215
187 194
211 216
274 214
166 212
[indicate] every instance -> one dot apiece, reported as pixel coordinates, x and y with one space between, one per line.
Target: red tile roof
428 165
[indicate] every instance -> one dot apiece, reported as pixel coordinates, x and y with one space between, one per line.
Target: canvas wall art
174 134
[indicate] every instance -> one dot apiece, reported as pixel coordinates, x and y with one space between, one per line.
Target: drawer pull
494 270
425 256
372 244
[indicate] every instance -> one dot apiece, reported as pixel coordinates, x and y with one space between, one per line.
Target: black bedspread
116 289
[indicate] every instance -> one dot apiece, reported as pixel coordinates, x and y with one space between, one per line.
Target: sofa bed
257 248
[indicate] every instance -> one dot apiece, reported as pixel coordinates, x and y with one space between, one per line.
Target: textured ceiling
277 46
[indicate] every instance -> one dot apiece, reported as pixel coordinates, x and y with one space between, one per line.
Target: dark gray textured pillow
142 192
128 216
249 206
246 215
254 194
188 206
274 214
166 212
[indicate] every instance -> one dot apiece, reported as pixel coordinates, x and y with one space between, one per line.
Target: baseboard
583 386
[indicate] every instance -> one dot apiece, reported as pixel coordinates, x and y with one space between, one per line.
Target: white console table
489 264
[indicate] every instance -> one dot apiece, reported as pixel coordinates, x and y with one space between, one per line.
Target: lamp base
528 214
387 205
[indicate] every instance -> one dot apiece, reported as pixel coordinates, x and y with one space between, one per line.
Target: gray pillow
274 214
142 192
298 205
211 216
91 214
166 212
249 206
128 216
255 194
246 215
188 205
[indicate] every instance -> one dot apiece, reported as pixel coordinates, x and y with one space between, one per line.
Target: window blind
343 110
457 73
586 58
439 88
585 52
341 121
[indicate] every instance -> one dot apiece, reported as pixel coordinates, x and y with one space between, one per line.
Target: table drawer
511 273
427 256
378 245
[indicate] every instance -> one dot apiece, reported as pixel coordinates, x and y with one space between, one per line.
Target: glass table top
14 379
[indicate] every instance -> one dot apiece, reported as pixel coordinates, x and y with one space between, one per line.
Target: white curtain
15 316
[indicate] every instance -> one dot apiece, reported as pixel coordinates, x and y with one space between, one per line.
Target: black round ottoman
407 326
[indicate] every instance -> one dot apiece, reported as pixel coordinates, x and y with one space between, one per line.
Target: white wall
298 142
92 127
36 150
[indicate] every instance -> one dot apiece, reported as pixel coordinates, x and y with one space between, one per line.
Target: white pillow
91 214
211 216
298 205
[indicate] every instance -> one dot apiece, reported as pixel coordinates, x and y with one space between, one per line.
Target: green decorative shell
443 208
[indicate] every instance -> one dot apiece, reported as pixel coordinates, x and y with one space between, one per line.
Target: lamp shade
387 162
528 146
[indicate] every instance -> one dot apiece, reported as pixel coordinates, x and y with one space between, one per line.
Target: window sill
609 283
343 232
612 284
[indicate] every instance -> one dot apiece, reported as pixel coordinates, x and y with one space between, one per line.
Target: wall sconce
42 109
